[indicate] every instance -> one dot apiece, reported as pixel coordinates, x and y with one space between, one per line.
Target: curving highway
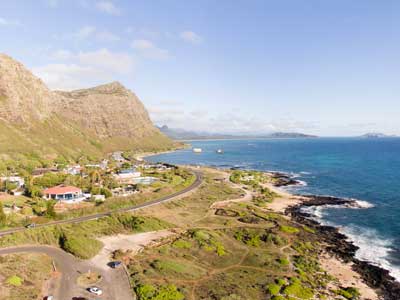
115 283
196 183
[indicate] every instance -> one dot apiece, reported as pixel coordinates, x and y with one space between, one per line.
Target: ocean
364 169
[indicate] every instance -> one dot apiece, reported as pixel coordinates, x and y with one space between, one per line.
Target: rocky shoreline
338 244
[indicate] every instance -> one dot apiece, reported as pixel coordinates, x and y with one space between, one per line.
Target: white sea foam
301 183
373 248
305 173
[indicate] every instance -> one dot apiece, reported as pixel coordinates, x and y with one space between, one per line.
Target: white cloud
191 37
84 69
61 54
5 22
88 32
177 116
108 7
85 32
106 36
52 3
70 76
112 61
147 49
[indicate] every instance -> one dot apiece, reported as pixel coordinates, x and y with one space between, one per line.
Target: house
127 176
67 194
124 191
41 171
144 180
18 181
117 156
73 170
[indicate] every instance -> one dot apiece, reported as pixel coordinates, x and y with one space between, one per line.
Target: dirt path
133 242
114 284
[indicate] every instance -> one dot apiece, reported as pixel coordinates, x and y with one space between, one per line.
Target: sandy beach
344 273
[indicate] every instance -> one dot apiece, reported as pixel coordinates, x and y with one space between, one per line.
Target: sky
330 68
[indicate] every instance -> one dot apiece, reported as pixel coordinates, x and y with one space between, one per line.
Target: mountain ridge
93 121
182 134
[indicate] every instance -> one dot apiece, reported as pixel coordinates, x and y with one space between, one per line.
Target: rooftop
62 189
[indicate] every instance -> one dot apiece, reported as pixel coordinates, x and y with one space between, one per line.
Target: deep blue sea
364 169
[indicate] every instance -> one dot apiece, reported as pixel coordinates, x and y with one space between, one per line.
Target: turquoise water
364 169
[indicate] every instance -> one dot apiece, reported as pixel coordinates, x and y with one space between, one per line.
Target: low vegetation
239 251
23 275
80 239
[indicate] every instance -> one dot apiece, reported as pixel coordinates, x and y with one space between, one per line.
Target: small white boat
197 150
220 151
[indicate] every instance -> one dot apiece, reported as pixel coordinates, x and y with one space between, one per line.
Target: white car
95 290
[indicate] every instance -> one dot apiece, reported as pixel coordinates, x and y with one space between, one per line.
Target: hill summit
34 119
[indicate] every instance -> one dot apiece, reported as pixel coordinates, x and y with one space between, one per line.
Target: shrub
283 262
289 229
350 293
15 280
3 217
80 246
298 290
165 292
273 289
182 244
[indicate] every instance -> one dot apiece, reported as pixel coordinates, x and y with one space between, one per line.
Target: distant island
375 135
182 134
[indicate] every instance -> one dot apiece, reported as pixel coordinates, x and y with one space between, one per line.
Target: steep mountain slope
111 113
34 119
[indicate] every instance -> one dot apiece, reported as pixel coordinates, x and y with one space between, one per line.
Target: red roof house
64 193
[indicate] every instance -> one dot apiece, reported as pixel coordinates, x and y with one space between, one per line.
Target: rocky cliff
90 121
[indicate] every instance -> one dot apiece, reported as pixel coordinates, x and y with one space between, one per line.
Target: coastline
339 246
340 257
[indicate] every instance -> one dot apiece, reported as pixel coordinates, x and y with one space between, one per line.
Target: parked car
32 225
115 264
95 290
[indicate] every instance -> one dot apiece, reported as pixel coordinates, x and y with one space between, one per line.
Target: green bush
165 292
182 244
80 246
283 261
273 289
350 293
15 281
289 229
298 290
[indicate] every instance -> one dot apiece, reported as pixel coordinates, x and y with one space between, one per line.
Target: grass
80 239
89 278
163 292
177 269
298 290
244 251
23 275
15 280
289 229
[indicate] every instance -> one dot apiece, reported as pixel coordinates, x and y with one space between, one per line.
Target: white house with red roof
68 194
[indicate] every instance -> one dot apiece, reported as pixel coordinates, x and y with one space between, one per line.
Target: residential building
67 194
127 176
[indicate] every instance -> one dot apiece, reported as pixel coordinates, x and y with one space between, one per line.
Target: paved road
115 283
195 184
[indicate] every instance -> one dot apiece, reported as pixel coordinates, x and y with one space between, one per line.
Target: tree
50 212
3 217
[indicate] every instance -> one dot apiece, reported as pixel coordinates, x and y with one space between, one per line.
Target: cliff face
23 97
108 110
90 121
